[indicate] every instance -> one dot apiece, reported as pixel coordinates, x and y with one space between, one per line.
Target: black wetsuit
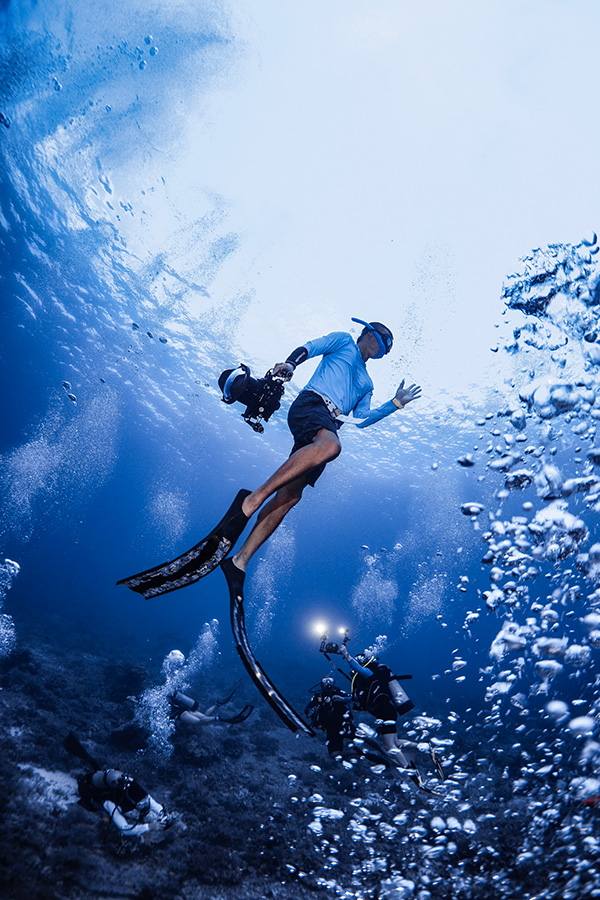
329 710
372 694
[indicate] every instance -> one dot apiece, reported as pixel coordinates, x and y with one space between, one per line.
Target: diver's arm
297 356
120 822
156 809
311 705
369 416
366 673
329 343
363 416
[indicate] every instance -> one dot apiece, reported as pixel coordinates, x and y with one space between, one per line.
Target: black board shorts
306 416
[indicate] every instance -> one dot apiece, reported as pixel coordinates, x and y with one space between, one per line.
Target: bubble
265 590
8 635
582 725
558 709
378 646
172 661
548 668
169 515
374 597
472 509
66 458
9 569
425 600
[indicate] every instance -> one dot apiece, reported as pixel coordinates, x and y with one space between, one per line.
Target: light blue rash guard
342 376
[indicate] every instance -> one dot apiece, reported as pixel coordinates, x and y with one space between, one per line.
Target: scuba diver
376 690
130 808
340 385
330 710
184 709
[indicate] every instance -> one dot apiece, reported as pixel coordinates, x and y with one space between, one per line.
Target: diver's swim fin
437 763
239 717
375 754
415 776
235 581
197 562
229 696
74 746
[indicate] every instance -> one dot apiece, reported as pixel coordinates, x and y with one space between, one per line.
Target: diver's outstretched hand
405 395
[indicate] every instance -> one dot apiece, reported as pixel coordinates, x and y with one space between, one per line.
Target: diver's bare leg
393 750
324 447
269 519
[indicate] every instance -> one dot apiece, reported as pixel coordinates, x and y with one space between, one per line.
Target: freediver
185 709
339 386
376 690
130 808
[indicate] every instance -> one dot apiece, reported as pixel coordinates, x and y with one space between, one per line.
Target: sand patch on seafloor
51 789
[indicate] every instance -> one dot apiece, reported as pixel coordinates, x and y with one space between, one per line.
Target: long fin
239 717
195 563
415 776
229 696
73 745
235 581
437 763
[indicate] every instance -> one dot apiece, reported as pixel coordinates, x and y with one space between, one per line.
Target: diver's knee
329 444
336 449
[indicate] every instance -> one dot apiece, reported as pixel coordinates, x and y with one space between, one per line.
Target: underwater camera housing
260 396
331 646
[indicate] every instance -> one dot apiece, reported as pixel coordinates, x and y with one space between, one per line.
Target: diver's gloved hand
283 370
162 823
406 395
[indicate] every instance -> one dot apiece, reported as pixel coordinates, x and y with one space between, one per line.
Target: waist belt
332 408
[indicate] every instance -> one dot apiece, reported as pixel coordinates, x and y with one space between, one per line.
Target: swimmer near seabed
130 808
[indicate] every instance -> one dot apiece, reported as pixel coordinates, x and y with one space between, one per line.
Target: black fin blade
283 709
195 563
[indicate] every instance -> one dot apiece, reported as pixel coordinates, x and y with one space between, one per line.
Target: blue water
116 452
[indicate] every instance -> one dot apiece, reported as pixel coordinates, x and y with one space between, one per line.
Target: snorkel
384 348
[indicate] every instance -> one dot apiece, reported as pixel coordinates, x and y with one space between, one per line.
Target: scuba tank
400 698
